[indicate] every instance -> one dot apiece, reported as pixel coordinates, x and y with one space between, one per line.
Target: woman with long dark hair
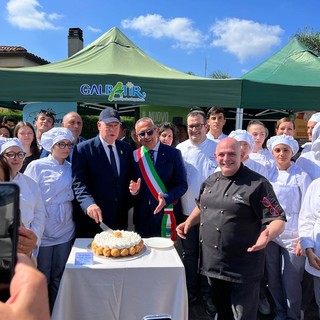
24 131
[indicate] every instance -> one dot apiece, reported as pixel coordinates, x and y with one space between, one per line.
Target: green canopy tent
290 79
113 70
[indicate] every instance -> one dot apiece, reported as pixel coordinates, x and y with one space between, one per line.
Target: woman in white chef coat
53 174
310 161
31 205
284 259
309 233
247 144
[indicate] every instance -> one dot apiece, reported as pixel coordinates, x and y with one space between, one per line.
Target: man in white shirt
216 120
314 119
198 155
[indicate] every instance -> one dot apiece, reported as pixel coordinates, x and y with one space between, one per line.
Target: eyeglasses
148 133
266 203
196 126
63 145
13 155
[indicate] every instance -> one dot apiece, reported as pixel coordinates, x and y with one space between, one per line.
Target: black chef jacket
234 211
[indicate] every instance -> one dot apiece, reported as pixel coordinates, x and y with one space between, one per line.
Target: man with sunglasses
235 227
167 166
102 169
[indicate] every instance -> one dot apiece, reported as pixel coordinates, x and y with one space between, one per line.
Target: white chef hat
6 143
316 132
315 147
54 135
243 135
283 139
315 117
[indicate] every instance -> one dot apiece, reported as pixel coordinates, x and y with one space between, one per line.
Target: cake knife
104 227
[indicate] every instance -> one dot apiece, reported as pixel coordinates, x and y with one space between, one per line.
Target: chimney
75 41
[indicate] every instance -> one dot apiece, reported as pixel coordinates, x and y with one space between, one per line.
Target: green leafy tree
310 39
219 75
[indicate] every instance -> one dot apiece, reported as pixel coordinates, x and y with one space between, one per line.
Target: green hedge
89 129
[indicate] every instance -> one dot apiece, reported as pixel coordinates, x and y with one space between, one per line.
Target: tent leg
239 118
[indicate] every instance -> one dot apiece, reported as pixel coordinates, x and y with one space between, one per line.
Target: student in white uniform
53 174
284 259
247 143
260 153
198 156
31 205
309 233
310 161
312 122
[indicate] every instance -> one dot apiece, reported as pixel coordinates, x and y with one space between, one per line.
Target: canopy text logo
119 92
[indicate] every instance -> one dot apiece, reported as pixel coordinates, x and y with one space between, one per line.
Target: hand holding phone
27 241
9 223
29 294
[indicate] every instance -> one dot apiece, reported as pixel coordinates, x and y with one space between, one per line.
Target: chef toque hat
315 117
54 135
283 139
243 135
6 143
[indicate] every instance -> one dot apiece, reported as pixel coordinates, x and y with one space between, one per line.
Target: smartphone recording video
9 223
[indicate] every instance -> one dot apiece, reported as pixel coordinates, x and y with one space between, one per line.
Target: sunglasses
266 203
148 133
13 155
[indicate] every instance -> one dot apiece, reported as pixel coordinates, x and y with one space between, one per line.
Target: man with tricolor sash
160 182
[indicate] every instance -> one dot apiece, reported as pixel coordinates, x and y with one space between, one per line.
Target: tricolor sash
155 186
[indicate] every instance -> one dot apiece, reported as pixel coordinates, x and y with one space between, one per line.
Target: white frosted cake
117 244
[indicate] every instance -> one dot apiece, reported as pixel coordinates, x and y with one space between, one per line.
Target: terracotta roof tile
18 50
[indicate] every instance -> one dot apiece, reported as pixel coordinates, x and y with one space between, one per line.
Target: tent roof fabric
113 69
113 53
290 79
294 65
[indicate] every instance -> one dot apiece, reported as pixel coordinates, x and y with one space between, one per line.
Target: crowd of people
245 205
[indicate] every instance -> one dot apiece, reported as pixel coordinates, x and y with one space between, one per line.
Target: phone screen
9 222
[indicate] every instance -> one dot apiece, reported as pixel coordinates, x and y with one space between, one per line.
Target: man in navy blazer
100 187
148 211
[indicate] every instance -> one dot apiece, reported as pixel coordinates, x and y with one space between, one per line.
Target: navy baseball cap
109 115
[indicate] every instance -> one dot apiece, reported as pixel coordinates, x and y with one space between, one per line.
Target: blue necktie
151 153
113 161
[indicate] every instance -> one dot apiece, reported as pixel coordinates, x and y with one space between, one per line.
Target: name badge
83 258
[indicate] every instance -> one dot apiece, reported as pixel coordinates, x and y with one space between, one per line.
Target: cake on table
117 244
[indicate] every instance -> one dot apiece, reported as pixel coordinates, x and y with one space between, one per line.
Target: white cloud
245 38
178 29
92 29
27 14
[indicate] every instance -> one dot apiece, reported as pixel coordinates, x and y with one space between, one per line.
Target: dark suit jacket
95 182
170 168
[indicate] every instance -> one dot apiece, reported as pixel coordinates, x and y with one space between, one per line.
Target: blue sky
230 36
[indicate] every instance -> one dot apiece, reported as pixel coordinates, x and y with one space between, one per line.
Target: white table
112 289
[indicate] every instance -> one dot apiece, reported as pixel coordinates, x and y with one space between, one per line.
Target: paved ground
197 312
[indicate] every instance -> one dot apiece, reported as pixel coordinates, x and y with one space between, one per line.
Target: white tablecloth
108 289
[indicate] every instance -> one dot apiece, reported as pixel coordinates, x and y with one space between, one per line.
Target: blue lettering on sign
118 92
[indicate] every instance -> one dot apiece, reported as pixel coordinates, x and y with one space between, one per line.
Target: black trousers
235 301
